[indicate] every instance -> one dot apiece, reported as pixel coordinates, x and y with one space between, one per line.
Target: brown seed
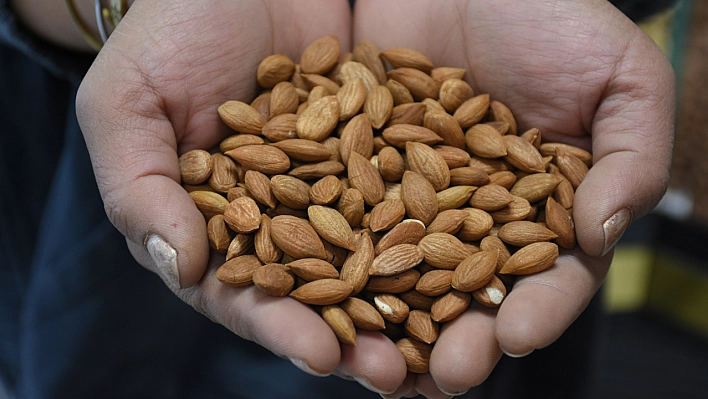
274 69
283 99
326 190
218 234
448 221
357 264
485 141
454 157
502 127
317 170
536 187
378 106
408 113
258 185
351 97
396 260
238 272
290 191
366 178
311 269
224 173
317 93
449 306
319 119
476 226
425 161
518 209
332 226
492 294
401 94
521 233
435 282
274 279
475 271
501 113
328 87
443 250
242 244
353 70
265 159
209 203
454 197
262 105
416 354
391 307
409 231
281 127
399 135
363 314
391 164
469 176
442 74
549 149
357 136
326 291
241 117
366 53
304 150
296 237
266 250
243 215
396 284
491 197
532 258
419 197
320 56
472 111
416 300
453 92
493 243
420 84
340 323
195 166
386 214
351 206
503 178
239 140
523 155
533 136
420 326
561 223
489 165
407 58
571 167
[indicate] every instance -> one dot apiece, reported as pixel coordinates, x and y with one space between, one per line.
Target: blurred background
654 339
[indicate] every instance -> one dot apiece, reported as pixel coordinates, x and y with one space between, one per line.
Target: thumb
632 139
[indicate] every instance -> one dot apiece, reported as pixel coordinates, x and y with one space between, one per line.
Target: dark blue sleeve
62 62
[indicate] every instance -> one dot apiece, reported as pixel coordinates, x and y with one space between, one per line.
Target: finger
405 390
466 352
632 136
374 362
139 112
540 307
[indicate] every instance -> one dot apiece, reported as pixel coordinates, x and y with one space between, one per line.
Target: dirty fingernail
614 227
165 258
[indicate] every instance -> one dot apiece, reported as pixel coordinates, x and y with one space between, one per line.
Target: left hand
583 74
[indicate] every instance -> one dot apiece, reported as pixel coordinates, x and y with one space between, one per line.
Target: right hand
152 95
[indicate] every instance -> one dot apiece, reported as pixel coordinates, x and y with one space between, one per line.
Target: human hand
151 95
583 74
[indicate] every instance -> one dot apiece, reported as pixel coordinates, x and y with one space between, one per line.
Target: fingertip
375 362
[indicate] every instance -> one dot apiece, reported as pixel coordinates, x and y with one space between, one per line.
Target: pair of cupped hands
580 71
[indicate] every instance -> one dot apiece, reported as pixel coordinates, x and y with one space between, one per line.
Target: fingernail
517 355
304 367
452 394
165 258
366 384
614 227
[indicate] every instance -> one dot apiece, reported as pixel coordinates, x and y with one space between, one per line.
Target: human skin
581 72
